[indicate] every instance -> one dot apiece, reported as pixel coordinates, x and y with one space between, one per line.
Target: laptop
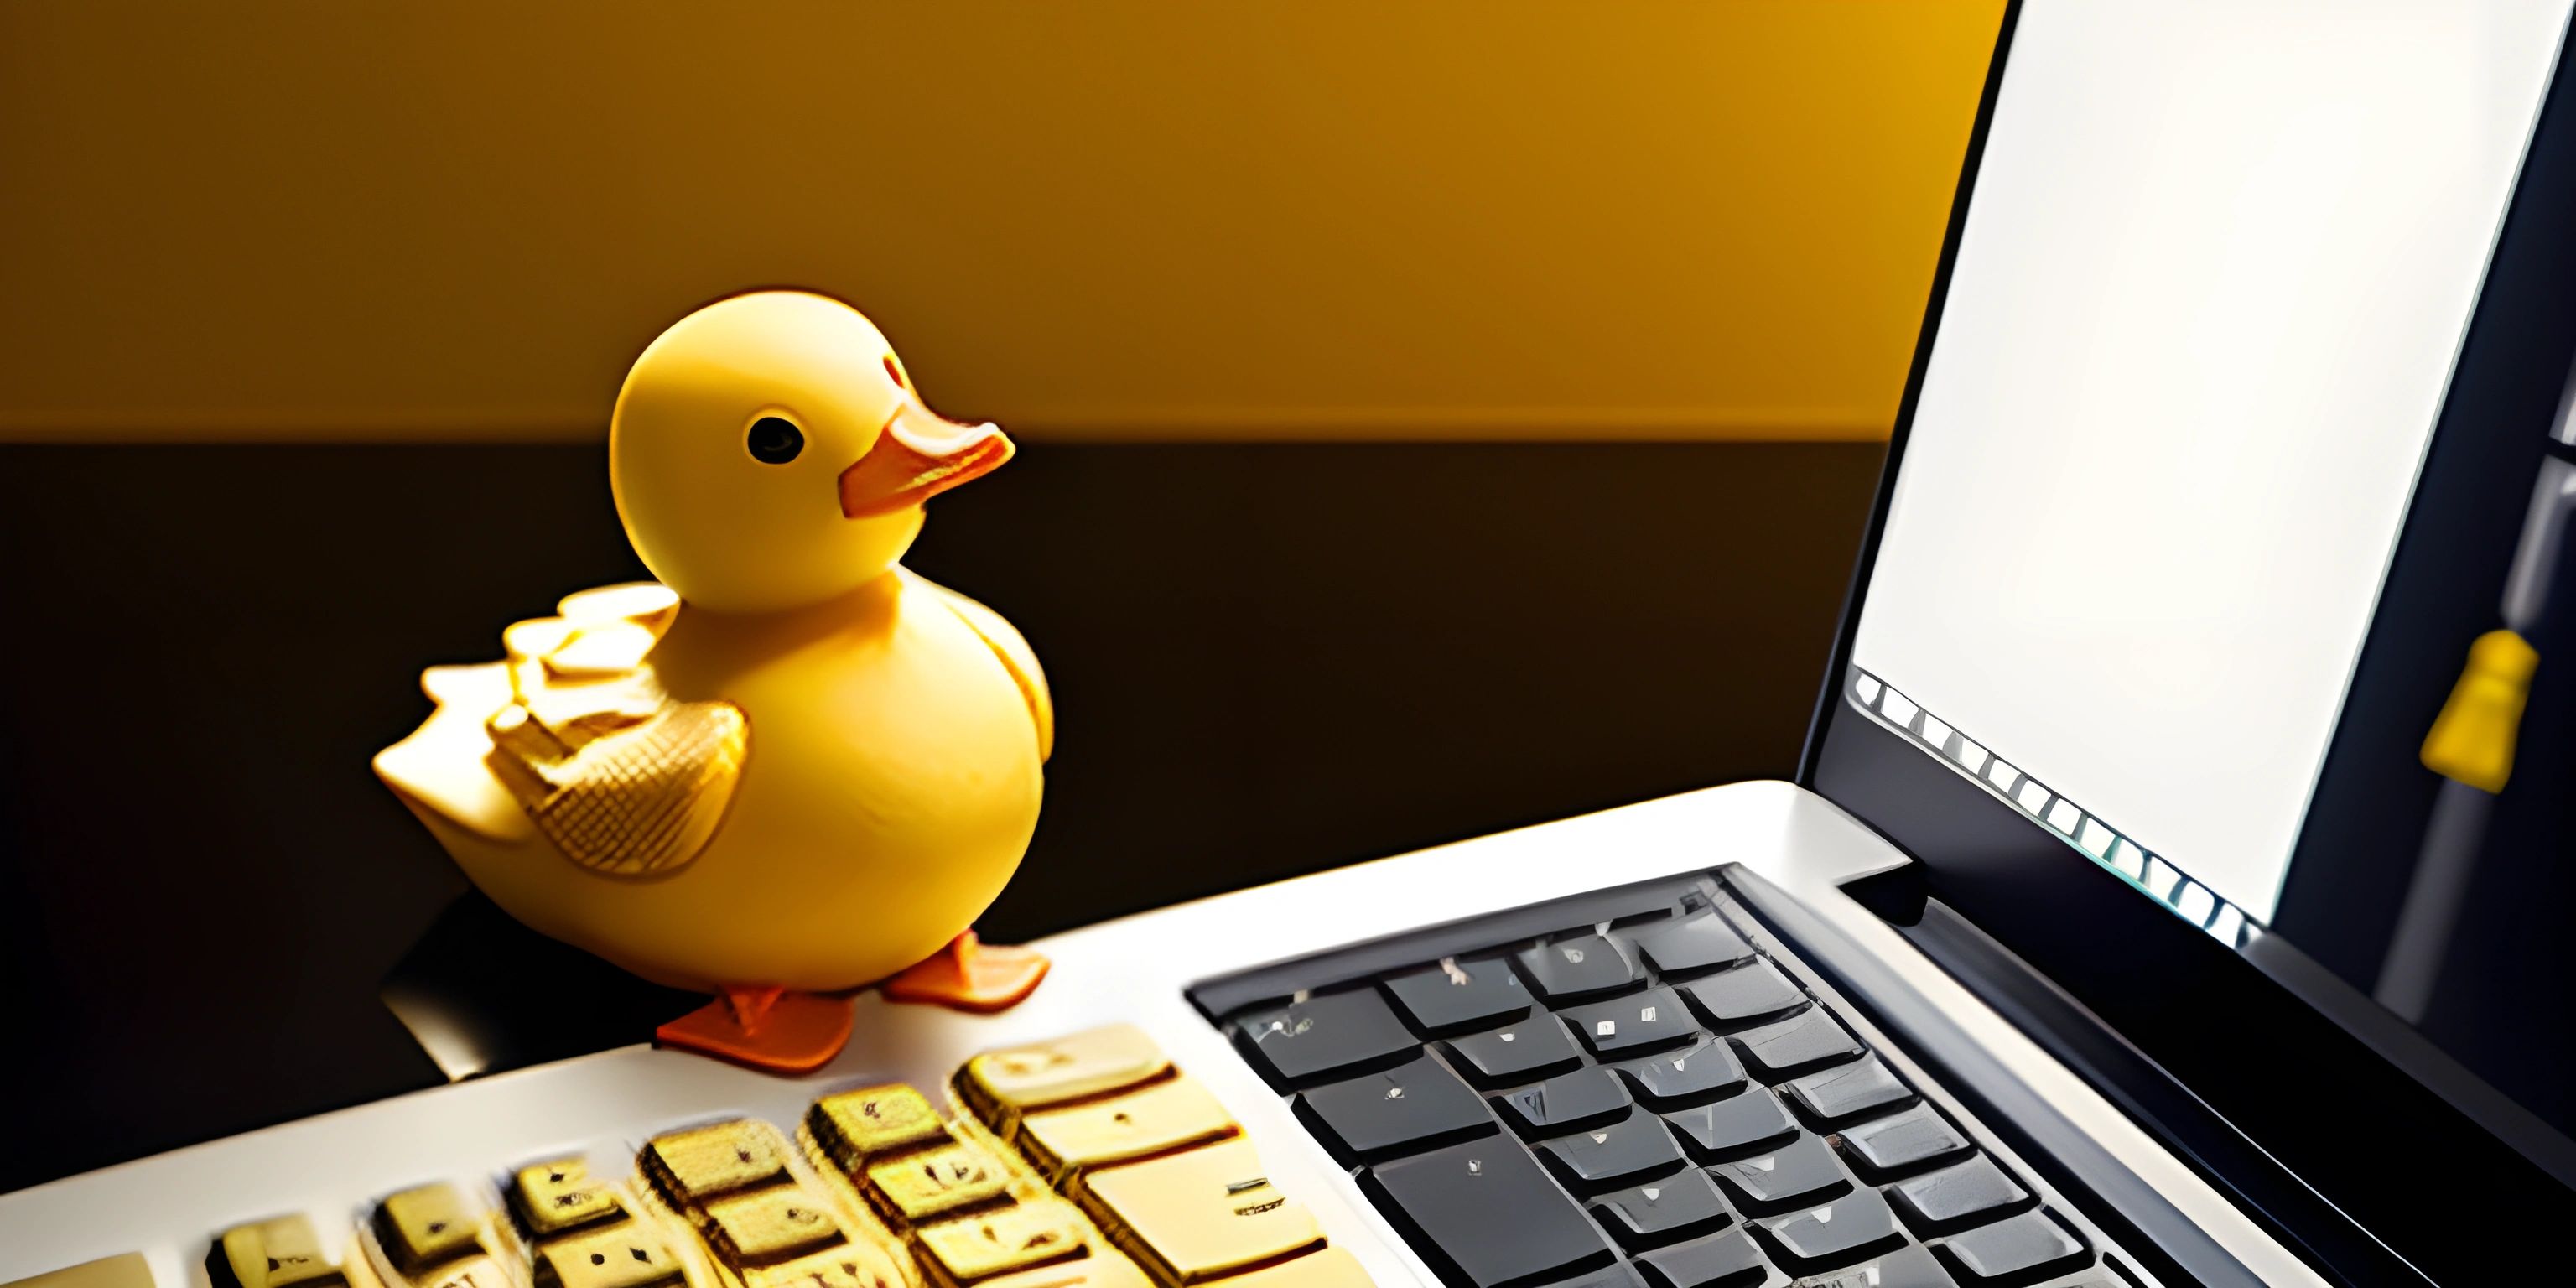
2171 891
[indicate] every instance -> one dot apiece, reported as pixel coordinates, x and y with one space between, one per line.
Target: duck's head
769 452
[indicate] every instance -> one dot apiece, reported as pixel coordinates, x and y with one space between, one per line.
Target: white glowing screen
2219 260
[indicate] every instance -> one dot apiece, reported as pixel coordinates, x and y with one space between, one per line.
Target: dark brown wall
1267 660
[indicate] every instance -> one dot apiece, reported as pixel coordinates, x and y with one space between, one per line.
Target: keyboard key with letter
1957 1196
1630 1025
2028 1246
1403 1110
1583 1098
1909 1141
1631 1149
1692 946
1455 996
1330 1036
1903 1268
1578 969
1486 1216
1726 1260
1800 1173
1786 1048
1745 995
1521 1052
1663 1211
1830 1234
1701 1071
1733 1127
1858 1090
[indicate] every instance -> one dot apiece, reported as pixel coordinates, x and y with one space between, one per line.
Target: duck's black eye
775 440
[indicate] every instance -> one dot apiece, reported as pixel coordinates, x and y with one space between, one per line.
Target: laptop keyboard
1086 1161
1642 1088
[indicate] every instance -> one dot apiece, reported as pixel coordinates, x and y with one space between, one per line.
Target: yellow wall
1084 218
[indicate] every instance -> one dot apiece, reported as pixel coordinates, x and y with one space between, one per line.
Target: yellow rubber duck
790 767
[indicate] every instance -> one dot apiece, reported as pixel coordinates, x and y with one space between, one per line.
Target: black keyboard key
1406 1109
1726 1260
1630 1025
1530 1049
1690 1075
1460 995
1831 1234
1583 1098
1618 1276
2015 1250
1798 1174
1903 1268
1333 1035
1482 1215
1692 945
1659 1212
1957 1196
1632 1150
1733 1127
1745 995
1802 1043
1578 969
1834 1096
1907 1142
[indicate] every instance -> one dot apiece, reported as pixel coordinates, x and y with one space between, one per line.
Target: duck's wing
440 766
574 739
1007 644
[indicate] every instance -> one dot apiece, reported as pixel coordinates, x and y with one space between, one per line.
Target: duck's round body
892 784
791 765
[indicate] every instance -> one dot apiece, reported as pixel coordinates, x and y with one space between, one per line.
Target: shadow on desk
1267 660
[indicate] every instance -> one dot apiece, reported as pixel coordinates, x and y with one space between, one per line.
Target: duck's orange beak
919 455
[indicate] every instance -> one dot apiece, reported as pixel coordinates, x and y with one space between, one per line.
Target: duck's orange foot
970 975
766 1028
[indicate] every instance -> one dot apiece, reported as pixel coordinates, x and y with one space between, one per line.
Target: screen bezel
2217 1056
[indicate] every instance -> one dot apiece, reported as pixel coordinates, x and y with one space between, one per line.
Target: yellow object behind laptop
2473 739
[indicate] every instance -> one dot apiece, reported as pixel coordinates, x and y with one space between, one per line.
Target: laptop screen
2204 310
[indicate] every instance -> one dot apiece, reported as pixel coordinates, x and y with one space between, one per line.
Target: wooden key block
1199 1214
690 1167
856 1126
478 1271
1322 1268
124 1270
427 1226
283 1253
1104 1268
630 1254
769 1225
850 1265
1010 1239
933 1182
1000 1086
560 1196
1156 1119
